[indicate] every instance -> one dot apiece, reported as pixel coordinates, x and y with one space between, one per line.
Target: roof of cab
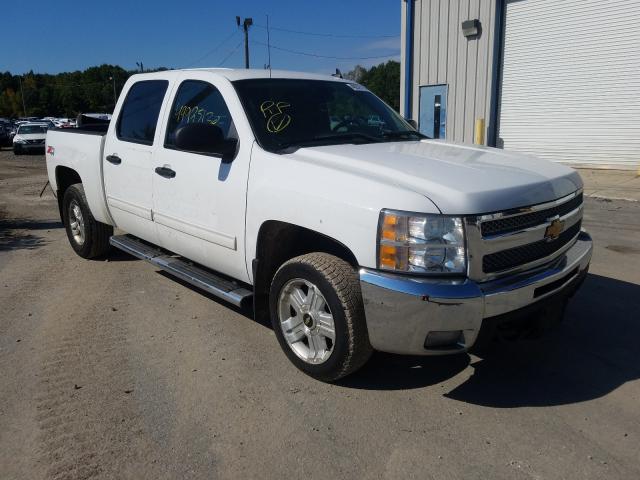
233 74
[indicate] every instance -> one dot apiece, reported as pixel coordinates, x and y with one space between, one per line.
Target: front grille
514 257
35 142
512 224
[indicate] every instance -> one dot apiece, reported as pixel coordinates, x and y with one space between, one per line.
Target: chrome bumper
403 311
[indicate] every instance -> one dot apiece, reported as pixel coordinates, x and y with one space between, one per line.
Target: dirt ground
110 369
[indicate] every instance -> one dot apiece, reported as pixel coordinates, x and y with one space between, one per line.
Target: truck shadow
16 234
594 352
591 354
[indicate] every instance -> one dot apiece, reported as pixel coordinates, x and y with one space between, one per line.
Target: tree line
383 80
63 94
92 90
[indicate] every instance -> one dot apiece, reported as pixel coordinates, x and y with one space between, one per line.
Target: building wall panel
447 57
571 81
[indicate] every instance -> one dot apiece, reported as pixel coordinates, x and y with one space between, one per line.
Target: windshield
286 114
28 129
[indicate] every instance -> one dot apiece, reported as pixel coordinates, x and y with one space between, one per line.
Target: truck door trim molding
197 231
134 209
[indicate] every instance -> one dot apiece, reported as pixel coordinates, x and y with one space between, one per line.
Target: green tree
64 94
383 80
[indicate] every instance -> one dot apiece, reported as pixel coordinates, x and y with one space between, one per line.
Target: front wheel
88 237
318 316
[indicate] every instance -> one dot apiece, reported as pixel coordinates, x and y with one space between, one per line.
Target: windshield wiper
323 139
347 136
403 133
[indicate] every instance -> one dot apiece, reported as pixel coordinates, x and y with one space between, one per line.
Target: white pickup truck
350 235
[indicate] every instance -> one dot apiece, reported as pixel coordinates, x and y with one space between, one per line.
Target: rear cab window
139 114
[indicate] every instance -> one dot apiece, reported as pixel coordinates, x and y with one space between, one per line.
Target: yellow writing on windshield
277 119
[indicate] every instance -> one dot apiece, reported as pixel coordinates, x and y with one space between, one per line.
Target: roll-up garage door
570 87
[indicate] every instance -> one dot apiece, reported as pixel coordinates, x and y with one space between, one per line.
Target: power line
317 55
214 49
332 35
231 53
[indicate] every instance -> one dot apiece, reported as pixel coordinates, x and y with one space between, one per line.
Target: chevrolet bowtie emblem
554 230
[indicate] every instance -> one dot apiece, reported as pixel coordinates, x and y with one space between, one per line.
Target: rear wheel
88 237
318 316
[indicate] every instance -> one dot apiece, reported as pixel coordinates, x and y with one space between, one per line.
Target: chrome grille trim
478 245
532 208
496 243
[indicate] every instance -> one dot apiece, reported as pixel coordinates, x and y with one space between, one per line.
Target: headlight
415 243
19 140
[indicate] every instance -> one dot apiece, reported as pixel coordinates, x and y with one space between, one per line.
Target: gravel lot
110 369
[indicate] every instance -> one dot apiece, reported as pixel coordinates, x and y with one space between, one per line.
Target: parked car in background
64 123
98 116
30 137
6 129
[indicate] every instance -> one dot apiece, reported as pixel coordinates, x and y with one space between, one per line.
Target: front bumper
402 312
28 146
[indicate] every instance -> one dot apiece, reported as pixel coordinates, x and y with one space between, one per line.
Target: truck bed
80 149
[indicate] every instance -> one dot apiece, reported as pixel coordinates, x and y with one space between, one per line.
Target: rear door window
139 115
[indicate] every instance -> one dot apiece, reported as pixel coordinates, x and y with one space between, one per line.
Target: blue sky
50 36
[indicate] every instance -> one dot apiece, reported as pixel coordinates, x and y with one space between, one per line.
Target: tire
88 237
293 308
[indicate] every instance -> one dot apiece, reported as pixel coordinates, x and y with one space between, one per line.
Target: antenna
269 45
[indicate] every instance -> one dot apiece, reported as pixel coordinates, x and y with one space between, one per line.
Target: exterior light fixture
471 28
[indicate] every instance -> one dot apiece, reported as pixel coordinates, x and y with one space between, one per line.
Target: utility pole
24 108
139 64
245 26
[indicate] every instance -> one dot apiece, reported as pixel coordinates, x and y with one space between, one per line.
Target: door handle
165 172
116 160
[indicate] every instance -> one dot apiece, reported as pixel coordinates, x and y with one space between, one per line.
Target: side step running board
196 276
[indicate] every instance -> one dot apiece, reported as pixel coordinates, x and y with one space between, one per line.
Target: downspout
408 60
496 74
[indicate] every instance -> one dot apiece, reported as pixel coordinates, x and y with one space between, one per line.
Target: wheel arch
65 177
281 241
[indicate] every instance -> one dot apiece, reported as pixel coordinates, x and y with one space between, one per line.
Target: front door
128 160
433 111
199 207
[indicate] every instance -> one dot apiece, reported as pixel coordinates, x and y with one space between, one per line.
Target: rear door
128 159
199 210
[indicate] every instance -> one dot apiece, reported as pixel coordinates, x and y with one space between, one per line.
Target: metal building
556 78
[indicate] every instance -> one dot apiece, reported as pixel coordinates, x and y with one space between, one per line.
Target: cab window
198 102
139 115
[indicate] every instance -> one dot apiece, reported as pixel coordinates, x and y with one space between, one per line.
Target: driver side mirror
207 139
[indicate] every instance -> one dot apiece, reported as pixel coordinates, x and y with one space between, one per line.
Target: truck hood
30 136
458 179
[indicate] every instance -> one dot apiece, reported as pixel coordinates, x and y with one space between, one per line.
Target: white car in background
29 137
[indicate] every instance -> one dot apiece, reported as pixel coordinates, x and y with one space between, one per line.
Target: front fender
339 204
